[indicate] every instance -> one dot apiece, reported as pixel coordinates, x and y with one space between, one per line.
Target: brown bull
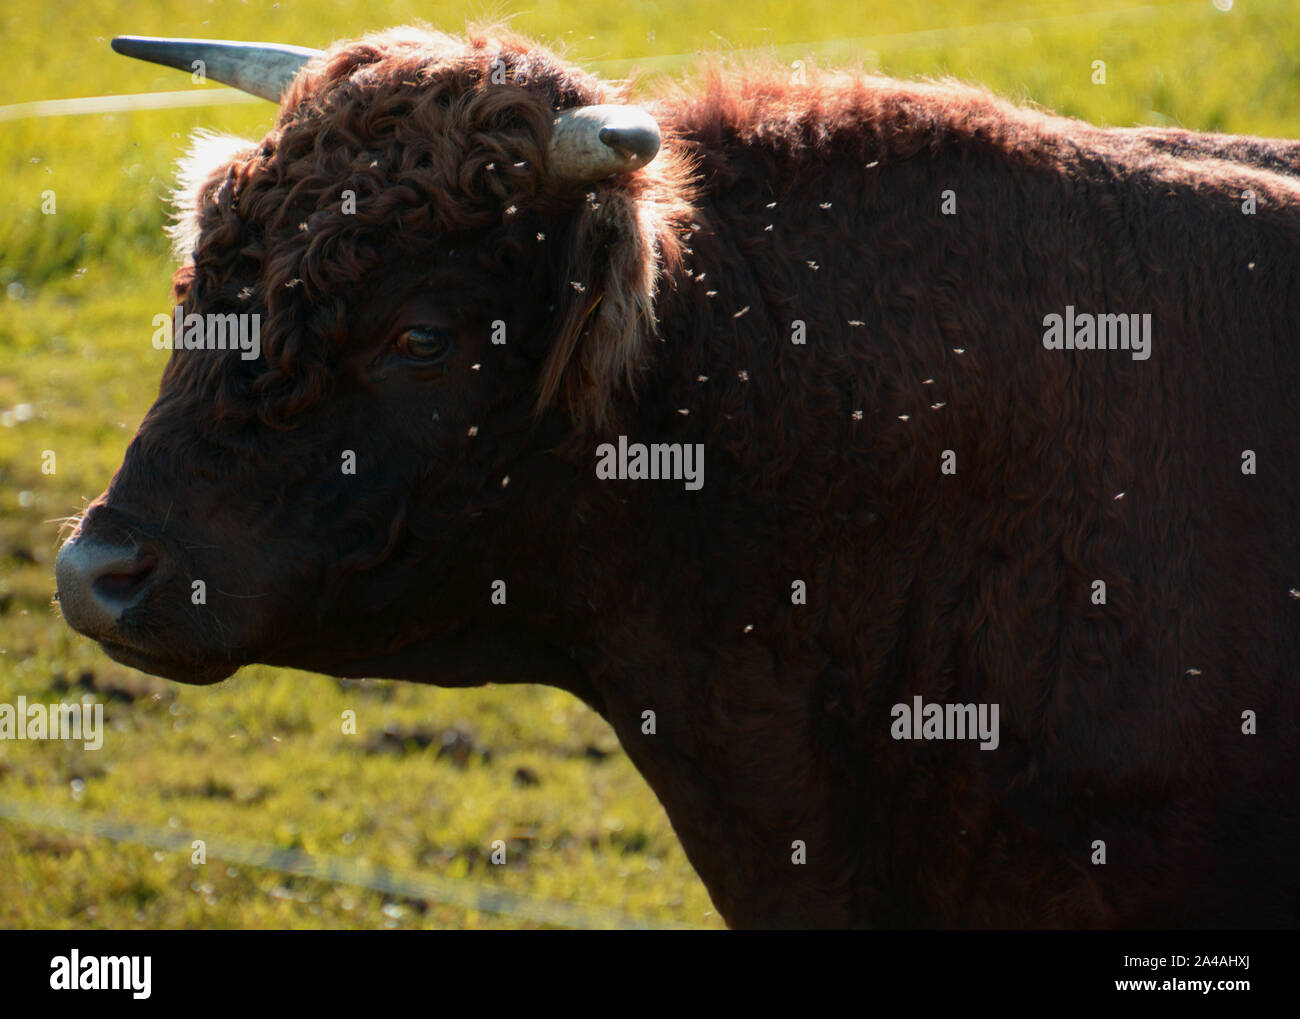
908 478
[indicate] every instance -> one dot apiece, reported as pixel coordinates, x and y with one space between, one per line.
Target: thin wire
420 887
895 40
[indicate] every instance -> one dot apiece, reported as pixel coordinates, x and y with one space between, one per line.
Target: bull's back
1164 476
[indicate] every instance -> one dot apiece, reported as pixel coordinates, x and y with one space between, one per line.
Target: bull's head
451 247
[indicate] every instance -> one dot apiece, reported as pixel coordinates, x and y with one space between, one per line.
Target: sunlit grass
262 758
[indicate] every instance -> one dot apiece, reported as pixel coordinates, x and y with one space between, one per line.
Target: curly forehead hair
404 144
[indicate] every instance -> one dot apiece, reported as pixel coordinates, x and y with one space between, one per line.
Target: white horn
592 142
261 69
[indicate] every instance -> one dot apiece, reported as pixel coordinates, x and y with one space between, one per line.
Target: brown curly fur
432 148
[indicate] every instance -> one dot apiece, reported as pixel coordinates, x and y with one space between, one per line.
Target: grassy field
432 778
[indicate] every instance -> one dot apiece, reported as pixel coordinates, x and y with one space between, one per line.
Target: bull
969 623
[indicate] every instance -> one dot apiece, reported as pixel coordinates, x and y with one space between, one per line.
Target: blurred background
403 814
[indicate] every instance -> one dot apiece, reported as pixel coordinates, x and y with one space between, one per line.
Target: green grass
262 758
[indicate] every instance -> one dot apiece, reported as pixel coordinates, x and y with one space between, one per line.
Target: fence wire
419 887
824 49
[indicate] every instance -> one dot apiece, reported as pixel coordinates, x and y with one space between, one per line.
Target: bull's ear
605 309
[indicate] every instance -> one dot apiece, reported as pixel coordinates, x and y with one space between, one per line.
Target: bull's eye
428 344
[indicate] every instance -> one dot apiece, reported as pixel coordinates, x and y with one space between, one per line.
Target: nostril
120 582
99 581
